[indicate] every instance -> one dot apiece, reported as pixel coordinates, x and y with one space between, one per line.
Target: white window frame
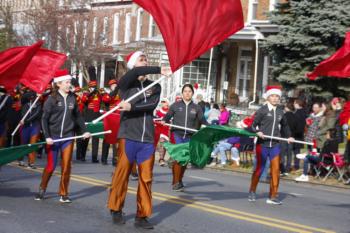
105 31
94 30
85 25
116 29
139 24
240 49
127 28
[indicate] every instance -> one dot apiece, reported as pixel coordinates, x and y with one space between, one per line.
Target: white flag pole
25 116
129 99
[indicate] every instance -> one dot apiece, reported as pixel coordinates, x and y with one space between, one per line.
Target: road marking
235 214
296 194
200 178
4 212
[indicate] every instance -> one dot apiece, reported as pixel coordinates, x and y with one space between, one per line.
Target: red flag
13 63
111 122
191 27
337 65
41 69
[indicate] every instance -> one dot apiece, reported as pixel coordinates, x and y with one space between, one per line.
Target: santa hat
164 100
131 59
61 75
246 122
111 82
272 90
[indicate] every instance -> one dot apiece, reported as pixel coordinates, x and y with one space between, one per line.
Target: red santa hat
112 81
272 90
61 75
246 122
131 59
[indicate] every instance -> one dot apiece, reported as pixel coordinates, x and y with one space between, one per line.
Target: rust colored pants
178 172
66 149
119 186
261 155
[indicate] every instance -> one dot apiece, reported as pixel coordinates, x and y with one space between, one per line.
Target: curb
289 179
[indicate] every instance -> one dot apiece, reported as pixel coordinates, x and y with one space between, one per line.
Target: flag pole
129 99
265 136
25 116
81 136
209 71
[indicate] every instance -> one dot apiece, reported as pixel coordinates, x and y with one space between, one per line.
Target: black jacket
188 116
35 113
270 123
137 124
4 108
292 123
60 116
300 116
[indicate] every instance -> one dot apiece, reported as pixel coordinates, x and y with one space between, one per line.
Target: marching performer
187 114
269 120
136 139
60 118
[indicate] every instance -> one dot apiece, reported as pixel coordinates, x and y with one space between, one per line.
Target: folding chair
340 166
325 165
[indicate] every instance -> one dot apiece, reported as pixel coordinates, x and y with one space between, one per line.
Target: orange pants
274 169
66 149
178 172
119 186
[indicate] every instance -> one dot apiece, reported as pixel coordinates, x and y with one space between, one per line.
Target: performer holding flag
60 116
270 121
187 114
136 139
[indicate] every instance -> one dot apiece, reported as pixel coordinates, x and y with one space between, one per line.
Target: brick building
110 29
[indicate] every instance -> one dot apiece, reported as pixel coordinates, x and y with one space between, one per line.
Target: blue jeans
222 147
310 159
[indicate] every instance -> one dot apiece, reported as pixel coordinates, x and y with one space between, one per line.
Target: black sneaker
117 217
31 166
252 197
40 195
143 223
104 163
179 187
95 161
83 159
273 201
65 199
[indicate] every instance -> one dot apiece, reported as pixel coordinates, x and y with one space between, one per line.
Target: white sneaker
237 161
212 164
301 156
302 178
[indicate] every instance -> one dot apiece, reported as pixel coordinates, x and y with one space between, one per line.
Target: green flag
10 154
198 150
95 128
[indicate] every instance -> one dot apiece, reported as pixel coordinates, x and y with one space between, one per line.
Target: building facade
109 29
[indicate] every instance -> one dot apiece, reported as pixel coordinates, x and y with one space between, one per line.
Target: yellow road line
272 222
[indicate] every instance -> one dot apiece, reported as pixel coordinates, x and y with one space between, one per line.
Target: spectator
224 116
312 122
327 122
222 147
207 110
337 107
214 115
330 146
286 148
300 115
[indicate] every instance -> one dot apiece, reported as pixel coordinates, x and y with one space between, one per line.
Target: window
85 33
197 72
152 27
94 30
139 24
127 28
255 9
76 25
244 72
105 31
116 29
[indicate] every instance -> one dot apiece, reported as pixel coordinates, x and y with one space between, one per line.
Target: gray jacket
270 123
188 116
137 124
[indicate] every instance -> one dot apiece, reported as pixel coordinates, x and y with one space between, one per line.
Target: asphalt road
212 202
